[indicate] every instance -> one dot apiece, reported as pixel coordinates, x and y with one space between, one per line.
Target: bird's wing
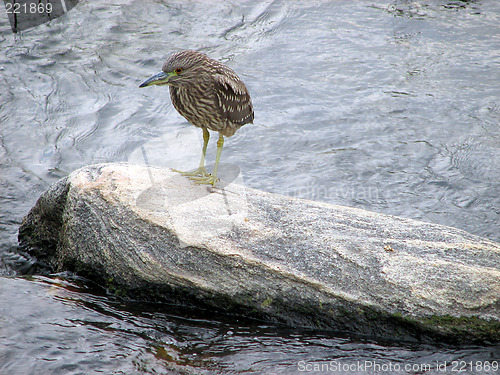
234 100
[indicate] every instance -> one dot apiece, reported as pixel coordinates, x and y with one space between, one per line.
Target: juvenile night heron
210 96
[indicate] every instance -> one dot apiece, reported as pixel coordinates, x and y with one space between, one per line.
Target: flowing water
391 106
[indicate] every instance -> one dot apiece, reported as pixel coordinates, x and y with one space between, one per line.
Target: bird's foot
208 180
199 176
198 172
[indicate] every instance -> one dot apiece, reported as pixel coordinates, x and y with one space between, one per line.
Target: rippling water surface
392 106
56 327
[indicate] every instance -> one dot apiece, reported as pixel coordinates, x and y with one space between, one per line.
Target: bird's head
179 69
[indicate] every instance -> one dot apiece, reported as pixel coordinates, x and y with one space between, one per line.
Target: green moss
475 326
267 302
457 328
398 316
114 288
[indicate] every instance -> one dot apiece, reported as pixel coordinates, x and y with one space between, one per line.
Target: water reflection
76 330
428 9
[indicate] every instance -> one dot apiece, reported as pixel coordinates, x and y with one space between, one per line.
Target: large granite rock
152 234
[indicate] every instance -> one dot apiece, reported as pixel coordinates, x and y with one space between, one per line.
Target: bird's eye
178 70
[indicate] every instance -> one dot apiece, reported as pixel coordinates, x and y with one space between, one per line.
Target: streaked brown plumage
209 95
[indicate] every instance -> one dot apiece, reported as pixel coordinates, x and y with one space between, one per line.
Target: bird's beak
158 79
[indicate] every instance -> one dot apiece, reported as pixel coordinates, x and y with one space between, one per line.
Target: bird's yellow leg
212 179
200 172
220 143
